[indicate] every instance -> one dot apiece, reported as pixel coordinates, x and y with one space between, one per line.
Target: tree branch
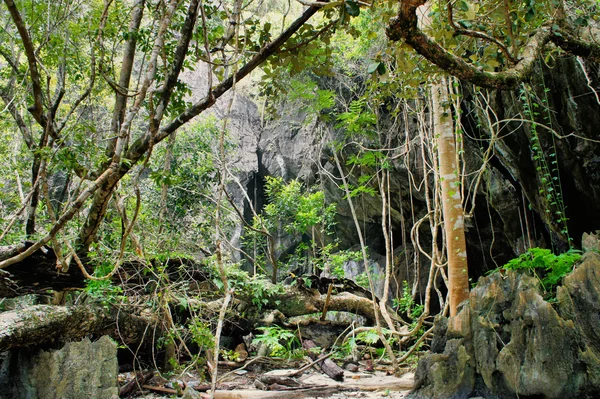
576 46
125 76
220 89
477 34
38 107
404 27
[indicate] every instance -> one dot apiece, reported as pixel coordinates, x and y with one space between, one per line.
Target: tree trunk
45 324
456 247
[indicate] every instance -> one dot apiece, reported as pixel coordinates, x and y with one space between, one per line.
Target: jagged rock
79 370
508 342
590 241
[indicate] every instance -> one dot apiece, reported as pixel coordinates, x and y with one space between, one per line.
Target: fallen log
135 385
41 272
46 324
268 379
299 301
295 394
35 274
327 365
164 390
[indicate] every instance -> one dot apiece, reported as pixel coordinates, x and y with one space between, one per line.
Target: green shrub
281 342
546 266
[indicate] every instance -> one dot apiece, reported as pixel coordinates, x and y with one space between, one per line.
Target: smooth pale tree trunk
443 127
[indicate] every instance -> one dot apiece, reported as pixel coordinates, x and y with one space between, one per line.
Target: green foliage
310 97
358 119
369 337
103 290
546 266
367 340
406 303
281 342
300 213
256 288
297 211
363 280
338 260
201 333
187 211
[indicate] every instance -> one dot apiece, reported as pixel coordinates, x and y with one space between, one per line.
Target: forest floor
364 385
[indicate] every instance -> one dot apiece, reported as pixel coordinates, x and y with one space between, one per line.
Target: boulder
82 369
508 342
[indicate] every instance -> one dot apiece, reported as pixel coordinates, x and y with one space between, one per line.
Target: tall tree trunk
453 214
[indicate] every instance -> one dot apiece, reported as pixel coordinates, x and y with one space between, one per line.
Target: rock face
508 342
514 206
79 370
512 211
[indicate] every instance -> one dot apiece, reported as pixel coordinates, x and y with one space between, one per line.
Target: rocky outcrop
79 370
508 342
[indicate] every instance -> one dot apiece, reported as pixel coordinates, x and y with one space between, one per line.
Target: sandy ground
374 385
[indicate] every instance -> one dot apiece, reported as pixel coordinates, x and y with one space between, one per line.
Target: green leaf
352 8
373 67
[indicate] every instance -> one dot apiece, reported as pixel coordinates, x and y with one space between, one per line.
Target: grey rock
79 370
591 241
509 342
190 393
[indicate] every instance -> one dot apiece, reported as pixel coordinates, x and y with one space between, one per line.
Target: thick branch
576 46
299 301
126 69
220 89
404 27
37 108
180 53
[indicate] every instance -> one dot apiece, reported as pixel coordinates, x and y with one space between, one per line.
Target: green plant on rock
546 266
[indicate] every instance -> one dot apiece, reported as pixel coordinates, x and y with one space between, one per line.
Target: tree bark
456 247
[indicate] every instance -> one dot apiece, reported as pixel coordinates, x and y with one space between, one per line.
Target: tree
501 40
452 205
77 54
492 44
